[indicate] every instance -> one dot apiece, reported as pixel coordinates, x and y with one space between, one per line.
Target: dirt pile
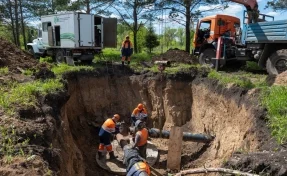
281 79
176 55
14 58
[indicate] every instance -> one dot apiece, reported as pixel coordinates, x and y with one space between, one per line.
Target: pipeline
155 133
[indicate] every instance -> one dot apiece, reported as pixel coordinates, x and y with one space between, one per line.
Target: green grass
28 72
243 79
24 94
250 65
274 98
64 68
46 59
4 71
10 145
111 54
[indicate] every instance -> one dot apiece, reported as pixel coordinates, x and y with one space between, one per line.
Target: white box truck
75 35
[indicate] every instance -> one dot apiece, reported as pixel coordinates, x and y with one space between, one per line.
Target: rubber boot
100 154
112 155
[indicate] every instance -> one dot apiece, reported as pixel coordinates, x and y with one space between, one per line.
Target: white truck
75 35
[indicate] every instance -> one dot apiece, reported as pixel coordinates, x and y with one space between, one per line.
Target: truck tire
277 62
205 58
59 57
30 50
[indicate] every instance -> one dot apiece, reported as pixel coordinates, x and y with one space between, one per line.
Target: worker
105 134
141 138
126 50
139 113
136 165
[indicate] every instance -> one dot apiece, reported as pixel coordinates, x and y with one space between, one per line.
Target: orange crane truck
219 39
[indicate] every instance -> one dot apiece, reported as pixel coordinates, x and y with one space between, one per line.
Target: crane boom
249 4
252 9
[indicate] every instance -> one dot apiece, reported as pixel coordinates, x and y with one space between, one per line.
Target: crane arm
251 7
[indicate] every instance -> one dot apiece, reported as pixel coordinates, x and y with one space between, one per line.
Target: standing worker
127 50
105 133
139 113
141 138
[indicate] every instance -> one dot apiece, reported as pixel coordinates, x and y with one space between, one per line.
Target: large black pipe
156 133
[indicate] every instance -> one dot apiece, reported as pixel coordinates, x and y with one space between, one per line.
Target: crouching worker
136 166
141 138
139 113
105 134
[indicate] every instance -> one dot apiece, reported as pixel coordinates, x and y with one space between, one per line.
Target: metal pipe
155 133
167 63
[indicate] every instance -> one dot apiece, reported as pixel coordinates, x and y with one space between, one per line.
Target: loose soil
176 55
281 79
63 127
15 59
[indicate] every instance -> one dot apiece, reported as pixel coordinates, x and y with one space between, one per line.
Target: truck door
86 23
109 34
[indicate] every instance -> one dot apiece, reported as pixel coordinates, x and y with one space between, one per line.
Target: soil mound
281 79
176 55
14 58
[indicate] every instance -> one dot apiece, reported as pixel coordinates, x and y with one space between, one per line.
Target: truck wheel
30 50
205 58
277 62
60 58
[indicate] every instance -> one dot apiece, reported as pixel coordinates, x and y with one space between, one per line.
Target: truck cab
210 28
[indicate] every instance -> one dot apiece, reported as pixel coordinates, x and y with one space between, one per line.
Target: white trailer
77 35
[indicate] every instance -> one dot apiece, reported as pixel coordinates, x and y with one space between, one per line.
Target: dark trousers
142 151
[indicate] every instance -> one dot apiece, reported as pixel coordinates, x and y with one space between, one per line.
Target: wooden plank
174 148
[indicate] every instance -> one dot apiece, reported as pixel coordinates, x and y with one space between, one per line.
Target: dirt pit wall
199 105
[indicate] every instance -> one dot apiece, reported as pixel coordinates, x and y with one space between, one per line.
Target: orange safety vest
144 135
136 112
109 126
127 44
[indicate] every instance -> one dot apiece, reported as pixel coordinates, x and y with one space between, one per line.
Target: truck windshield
205 25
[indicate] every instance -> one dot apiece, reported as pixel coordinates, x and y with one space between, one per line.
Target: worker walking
126 50
107 129
136 165
139 113
141 138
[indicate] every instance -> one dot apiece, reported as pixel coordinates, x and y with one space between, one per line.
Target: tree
169 36
89 6
151 40
134 14
277 4
180 35
184 12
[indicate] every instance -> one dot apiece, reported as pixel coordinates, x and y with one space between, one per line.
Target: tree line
136 17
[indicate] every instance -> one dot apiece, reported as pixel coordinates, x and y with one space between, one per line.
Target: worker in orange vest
139 113
126 50
106 131
136 165
141 138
